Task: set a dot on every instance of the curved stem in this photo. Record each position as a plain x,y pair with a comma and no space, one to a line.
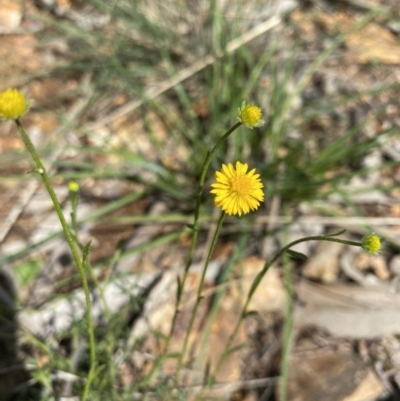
195,228
203,174
199,291
257,281
208,161
75,254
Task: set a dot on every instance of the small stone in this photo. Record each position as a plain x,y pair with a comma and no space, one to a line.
362,261
324,265
379,267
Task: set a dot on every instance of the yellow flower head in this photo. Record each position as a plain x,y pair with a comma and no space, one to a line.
250,115
372,243
13,104
73,186
236,190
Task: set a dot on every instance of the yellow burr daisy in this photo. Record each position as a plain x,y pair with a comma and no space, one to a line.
13,104
73,186
236,190
250,115
372,243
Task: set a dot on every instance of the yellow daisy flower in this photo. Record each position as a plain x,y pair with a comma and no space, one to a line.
13,104
236,190
250,115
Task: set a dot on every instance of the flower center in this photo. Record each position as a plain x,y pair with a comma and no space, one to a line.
241,185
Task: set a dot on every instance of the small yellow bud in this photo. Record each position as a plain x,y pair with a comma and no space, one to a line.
13,104
372,243
73,186
250,115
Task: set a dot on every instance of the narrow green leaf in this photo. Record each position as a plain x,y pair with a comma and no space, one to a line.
256,281
207,371
336,234
85,255
173,355
235,349
179,288
250,313
296,255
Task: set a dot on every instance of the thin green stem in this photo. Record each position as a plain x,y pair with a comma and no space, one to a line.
75,254
195,228
217,300
257,281
203,174
199,291
208,161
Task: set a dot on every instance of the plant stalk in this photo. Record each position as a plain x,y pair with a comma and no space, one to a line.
75,254
257,281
